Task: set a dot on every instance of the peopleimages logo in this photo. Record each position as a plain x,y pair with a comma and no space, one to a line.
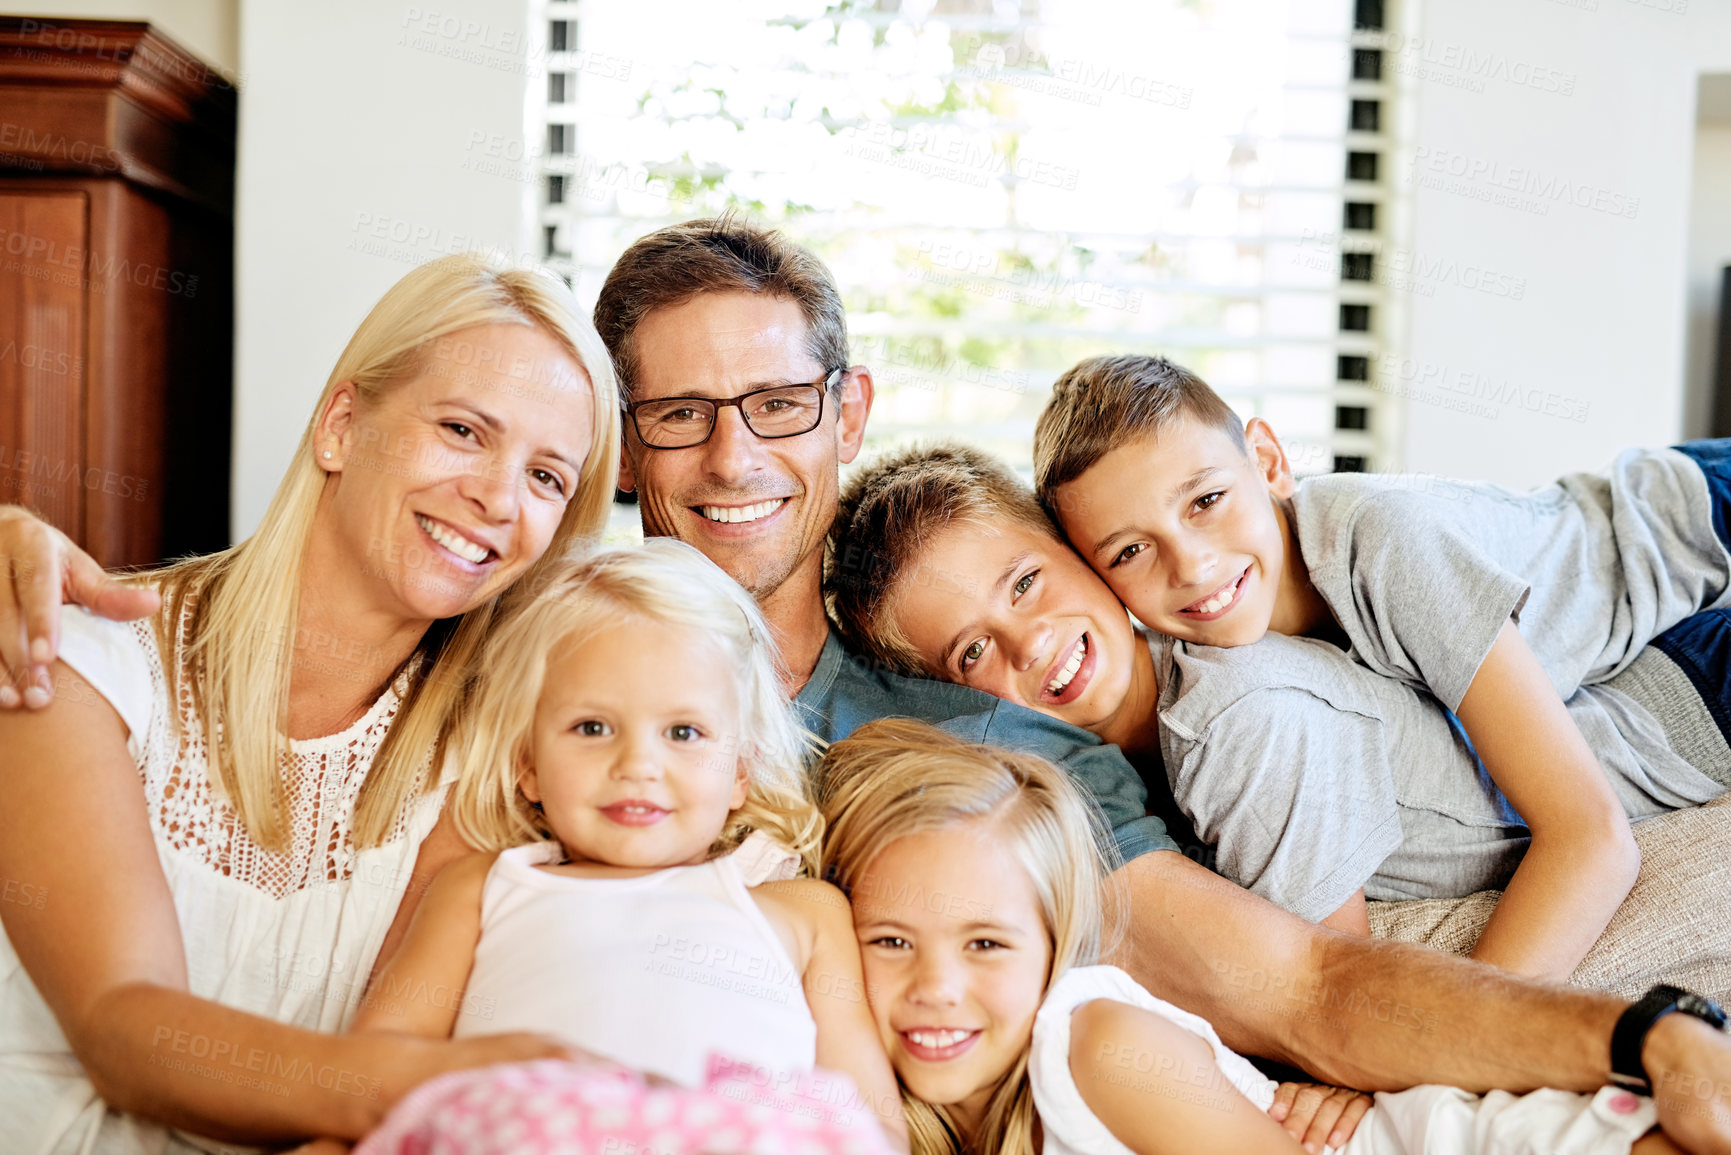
1463,66
1437,167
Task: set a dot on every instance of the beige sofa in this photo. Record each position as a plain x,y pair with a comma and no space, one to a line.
1674,927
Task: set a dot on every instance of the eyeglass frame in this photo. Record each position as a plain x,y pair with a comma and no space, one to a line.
830,380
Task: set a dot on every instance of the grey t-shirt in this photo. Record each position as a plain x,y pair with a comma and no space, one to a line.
845,692
1314,777
1421,572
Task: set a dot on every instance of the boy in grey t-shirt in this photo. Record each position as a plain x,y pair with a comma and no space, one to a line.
1501,604
1315,777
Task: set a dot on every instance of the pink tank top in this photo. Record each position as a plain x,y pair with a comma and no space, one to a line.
655,972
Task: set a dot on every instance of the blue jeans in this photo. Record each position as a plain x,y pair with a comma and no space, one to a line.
1714,458
1701,647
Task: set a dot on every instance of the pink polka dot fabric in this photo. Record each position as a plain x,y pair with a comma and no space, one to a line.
559,1108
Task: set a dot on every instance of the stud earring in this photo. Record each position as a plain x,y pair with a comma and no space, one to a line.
327,455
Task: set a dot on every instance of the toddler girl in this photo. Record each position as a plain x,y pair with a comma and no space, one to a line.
976,879
632,767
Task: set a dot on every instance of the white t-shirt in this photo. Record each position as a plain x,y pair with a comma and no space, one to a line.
287,935
1070,1127
1430,1119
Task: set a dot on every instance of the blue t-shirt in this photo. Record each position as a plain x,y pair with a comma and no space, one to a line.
846,691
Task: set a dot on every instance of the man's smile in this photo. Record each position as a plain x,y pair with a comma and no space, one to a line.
741,513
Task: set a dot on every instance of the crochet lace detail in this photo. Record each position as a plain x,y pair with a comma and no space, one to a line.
323,777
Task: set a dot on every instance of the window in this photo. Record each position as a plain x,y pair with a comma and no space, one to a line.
559,38
558,87
559,139
978,178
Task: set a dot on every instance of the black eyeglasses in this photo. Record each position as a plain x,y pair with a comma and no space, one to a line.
778,411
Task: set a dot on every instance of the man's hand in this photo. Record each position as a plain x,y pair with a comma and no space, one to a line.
1318,1115
1690,1065
42,571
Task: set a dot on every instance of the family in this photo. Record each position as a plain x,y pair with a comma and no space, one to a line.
831,819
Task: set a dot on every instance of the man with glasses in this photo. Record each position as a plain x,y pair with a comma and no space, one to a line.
732,351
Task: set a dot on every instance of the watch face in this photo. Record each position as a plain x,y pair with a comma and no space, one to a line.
1705,1009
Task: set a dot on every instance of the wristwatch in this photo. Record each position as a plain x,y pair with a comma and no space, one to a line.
1627,1070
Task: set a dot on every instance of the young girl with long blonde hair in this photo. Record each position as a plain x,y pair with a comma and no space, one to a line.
976,878
634,772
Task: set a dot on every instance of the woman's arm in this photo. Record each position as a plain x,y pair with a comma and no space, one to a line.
1583,857
420,990
105,951
834,981
1157,1088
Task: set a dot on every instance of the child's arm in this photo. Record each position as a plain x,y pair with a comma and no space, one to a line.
420,989
1353,917
834,981
441,847
1583,857
1156,1086
1319,1114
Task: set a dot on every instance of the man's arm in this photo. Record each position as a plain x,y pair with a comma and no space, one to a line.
1385,1016
42,571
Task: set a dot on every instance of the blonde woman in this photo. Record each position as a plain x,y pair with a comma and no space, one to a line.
220,812
976,881
636,780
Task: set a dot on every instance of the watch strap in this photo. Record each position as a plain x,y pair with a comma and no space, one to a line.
1630,1035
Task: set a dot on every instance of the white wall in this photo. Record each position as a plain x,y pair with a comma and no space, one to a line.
209,29
365,134
1709,253
1601,323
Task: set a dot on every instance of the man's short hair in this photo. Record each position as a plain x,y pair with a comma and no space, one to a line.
1105,402
888,513
725,254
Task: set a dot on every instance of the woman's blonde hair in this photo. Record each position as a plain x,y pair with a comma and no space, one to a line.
662,581
250,592
896,777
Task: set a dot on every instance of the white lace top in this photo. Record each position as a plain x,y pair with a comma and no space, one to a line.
290,935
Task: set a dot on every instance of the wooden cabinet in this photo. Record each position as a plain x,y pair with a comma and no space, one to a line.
116,286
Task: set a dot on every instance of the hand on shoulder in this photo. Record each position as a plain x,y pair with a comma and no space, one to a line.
42,570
